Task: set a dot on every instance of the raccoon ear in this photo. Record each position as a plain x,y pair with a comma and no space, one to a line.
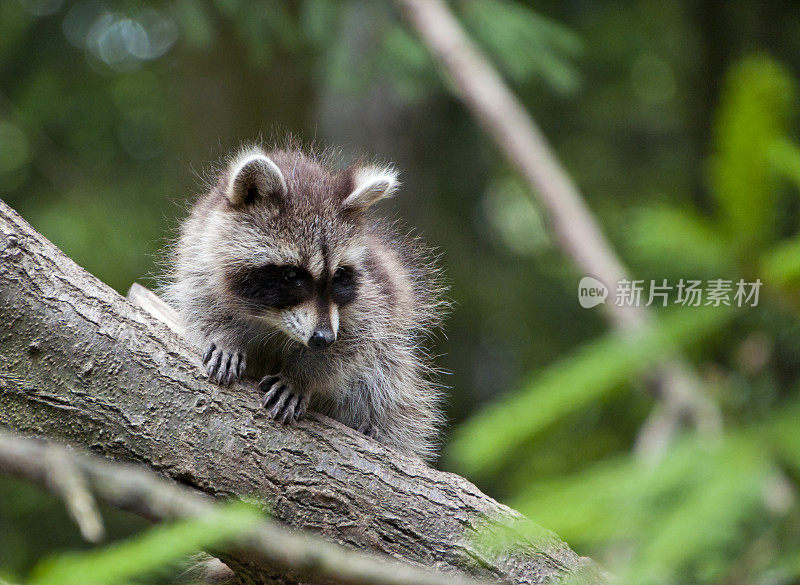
253,177
371,185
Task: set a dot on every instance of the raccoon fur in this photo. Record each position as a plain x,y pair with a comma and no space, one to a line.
281,272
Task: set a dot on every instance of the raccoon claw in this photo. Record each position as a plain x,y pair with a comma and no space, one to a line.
282,402
223,366
368,430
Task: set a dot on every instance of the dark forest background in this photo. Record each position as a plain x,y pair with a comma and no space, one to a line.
675,118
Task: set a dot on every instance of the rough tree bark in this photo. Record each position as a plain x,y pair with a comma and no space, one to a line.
81,480
79,363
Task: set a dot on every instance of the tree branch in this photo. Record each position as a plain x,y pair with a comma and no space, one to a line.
516,134
80,364
137,490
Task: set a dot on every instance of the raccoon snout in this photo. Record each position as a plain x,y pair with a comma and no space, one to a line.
321,338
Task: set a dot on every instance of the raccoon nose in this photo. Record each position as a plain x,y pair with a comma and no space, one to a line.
321,338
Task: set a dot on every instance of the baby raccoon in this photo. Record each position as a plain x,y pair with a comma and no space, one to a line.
281,272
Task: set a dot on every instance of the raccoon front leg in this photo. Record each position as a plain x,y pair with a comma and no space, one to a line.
224,347
283,401
223,365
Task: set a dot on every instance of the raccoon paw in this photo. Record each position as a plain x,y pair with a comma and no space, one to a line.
224,366
282,401
369,430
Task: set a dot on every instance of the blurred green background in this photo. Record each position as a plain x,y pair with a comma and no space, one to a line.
675,118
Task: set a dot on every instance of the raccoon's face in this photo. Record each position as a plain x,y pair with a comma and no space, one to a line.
296,243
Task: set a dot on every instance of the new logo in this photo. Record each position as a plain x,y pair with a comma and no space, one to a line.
591,292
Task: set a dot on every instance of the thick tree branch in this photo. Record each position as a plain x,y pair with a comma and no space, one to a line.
138,490
495,107
79,363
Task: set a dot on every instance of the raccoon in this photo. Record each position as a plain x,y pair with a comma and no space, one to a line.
282,273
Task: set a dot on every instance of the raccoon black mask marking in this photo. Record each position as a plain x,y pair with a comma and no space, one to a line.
284,286
281,272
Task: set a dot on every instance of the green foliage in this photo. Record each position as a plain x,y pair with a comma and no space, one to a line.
680,242
708,510
784,156
602,367
751,154
753,115
151,551
505,27
100,148
781,264
671,517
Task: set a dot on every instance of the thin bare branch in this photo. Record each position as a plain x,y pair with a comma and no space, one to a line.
516,134
138,490
65,481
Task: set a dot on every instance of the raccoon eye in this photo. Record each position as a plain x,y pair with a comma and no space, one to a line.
291,274
344,285
342,274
